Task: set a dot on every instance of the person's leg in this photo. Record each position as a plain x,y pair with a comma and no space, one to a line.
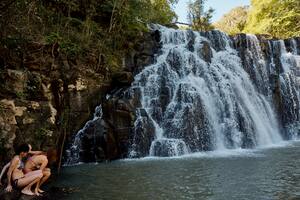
46,175
27,181
43,162
37,187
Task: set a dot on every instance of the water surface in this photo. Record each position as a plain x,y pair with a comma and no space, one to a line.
263,174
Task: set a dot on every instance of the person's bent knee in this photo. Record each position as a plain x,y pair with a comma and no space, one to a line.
39,173
46,173
47,170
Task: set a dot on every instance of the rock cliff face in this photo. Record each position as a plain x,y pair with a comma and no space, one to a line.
45,97
189,99
44,94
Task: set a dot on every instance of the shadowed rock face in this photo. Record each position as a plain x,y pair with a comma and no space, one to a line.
112,135
199,92
44,95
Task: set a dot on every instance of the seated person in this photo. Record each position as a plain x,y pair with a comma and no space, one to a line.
15,176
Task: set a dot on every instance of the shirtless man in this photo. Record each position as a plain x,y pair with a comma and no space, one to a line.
16,177
37,161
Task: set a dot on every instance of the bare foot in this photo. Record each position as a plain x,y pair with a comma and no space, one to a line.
27,192
38,194
41,191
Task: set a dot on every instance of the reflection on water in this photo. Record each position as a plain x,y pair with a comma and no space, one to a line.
263,174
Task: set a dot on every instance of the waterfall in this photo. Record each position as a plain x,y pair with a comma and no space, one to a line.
75,151
200,95
204,91
289,86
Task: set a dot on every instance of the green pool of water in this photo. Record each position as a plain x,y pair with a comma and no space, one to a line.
262,174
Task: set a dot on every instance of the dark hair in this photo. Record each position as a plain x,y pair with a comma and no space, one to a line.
22,148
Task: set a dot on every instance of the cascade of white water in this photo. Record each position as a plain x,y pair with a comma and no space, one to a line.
212,102
289,85
258,65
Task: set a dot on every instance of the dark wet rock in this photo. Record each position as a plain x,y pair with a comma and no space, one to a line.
215,38
194,126
205,51
297,39
143,53
191,40
174,60
142,136
288,44
121,79
164,98
251,62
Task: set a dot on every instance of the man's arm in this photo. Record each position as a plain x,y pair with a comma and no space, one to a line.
3,171
34,152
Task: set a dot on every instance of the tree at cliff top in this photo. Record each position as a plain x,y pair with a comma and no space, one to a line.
198,17
234,21
279,18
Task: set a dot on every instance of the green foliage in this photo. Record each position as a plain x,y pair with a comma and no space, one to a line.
198,17
70,47
41,133
234,21
21,95
279,18
85,27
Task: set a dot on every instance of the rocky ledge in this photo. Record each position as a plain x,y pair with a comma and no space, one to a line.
53,193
